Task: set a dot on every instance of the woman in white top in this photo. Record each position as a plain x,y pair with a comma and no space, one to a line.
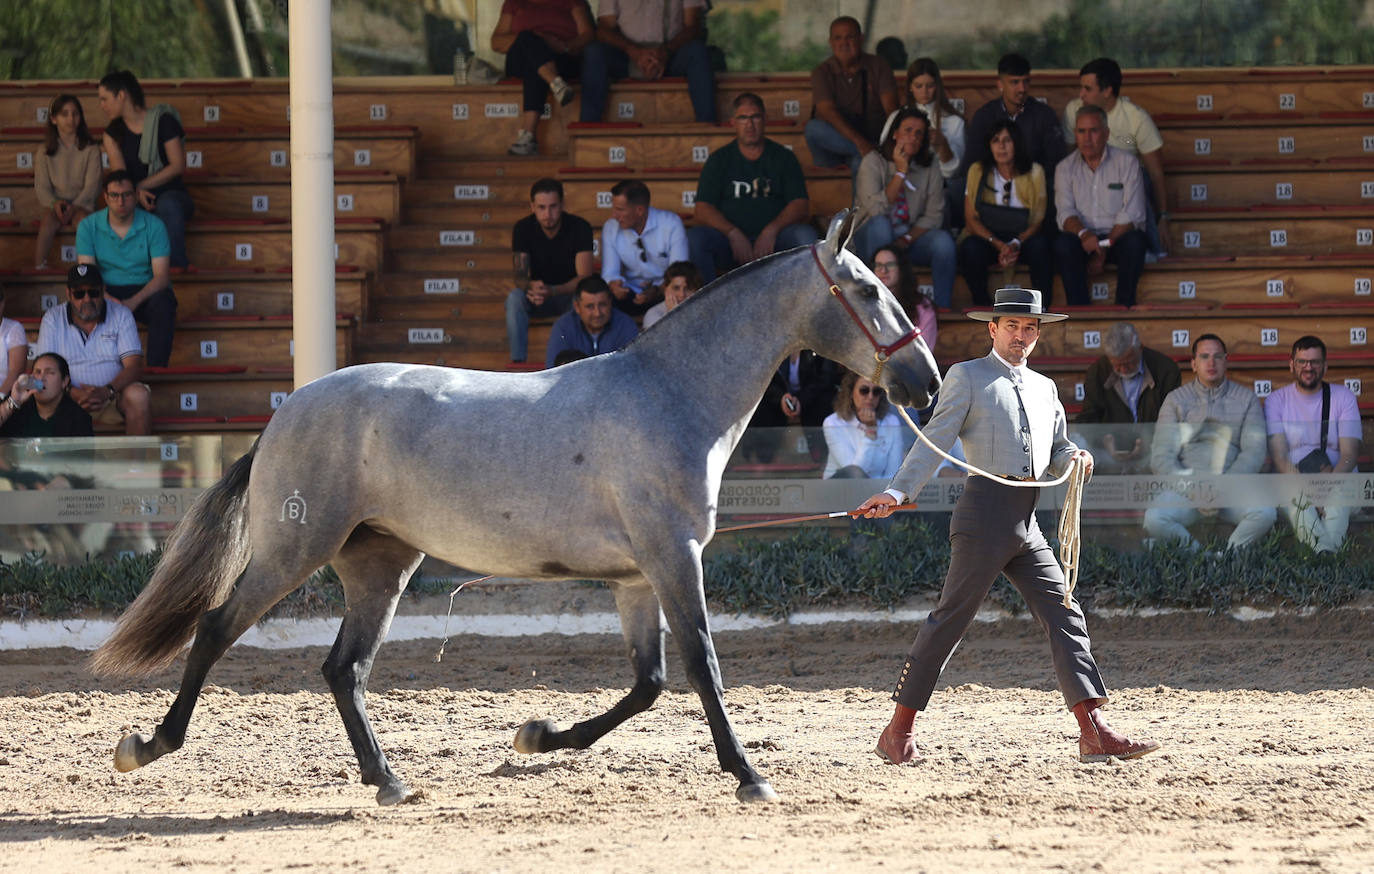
14,350
927,92
864,434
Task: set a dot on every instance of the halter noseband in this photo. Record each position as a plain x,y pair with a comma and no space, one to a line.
881,353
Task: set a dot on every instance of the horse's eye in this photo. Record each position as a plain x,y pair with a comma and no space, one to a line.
869,291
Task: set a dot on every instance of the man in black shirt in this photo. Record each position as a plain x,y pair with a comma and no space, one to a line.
552,251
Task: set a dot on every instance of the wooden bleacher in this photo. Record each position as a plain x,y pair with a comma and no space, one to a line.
1270,175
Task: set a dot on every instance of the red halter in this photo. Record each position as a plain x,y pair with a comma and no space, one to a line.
881,353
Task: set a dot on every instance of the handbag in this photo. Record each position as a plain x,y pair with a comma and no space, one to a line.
1314,461
1003,222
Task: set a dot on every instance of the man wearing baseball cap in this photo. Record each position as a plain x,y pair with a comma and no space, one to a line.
99,339
1012,424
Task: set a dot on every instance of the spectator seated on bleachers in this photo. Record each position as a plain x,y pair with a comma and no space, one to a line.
154,165
680,281
130,245
66,174
1039,126
852,94
1100,199
552,253
14,349
99,340
41,406
751,198
594,327
638,242
900,197
801,393
649,39
543,41
1131,130
1211,425
1126,386
1297,415
925,89
893,270
1004,209
864,434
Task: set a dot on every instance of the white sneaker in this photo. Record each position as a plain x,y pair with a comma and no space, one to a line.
562,91
524,144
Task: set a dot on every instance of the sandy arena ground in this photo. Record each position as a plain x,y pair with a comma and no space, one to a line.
1268,760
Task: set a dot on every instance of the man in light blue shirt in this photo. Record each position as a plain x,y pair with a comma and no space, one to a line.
134,255
638,243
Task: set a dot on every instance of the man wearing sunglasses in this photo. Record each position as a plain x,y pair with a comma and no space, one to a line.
132,249
638,242
99,339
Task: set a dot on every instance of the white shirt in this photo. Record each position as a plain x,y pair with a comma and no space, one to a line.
849,443
952,126
95,359
11,336
622,258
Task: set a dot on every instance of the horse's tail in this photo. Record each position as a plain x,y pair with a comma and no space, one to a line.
201,562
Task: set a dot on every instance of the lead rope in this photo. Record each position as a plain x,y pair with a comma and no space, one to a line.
1075,476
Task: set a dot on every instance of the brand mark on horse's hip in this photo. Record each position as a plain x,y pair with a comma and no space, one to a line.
293,508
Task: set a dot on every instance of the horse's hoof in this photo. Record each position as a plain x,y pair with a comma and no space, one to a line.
751,793
397,793
533,736
126,754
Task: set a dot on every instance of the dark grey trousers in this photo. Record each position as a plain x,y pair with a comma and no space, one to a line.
994,531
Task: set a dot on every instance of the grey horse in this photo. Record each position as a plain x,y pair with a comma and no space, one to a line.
604,469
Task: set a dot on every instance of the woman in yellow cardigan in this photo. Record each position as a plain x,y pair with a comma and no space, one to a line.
1004,205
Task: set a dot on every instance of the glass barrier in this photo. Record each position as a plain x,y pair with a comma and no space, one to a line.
68,499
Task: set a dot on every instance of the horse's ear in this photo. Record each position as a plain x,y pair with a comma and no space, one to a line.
841,229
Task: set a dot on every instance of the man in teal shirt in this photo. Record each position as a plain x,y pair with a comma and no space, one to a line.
133,253
751,198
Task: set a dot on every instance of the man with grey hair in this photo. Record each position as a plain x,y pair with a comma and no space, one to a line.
1125,386
1100,200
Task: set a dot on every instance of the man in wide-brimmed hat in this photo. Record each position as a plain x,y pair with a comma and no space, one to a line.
1012,425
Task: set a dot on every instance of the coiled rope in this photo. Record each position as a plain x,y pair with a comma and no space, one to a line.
1075,476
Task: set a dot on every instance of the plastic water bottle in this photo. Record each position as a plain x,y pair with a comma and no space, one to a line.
460,68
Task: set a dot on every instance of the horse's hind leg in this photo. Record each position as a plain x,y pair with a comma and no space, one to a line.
257,589
374,569
642,627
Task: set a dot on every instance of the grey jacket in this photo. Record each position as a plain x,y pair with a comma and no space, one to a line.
1216,430
1004,432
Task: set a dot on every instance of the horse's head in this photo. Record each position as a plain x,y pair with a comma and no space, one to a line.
862,326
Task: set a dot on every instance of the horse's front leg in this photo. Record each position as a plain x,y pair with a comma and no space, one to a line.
642,628
677,577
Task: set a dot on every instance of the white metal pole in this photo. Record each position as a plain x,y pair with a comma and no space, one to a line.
231,12
312,190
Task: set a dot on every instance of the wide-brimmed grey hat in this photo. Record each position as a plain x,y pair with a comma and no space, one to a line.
1017,302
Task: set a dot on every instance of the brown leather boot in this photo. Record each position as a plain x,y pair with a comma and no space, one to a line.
1098,741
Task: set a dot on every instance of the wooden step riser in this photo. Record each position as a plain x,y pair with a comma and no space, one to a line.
1244,335
257,157
197,299
237,346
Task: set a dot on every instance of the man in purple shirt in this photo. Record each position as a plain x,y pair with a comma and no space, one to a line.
1293,417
